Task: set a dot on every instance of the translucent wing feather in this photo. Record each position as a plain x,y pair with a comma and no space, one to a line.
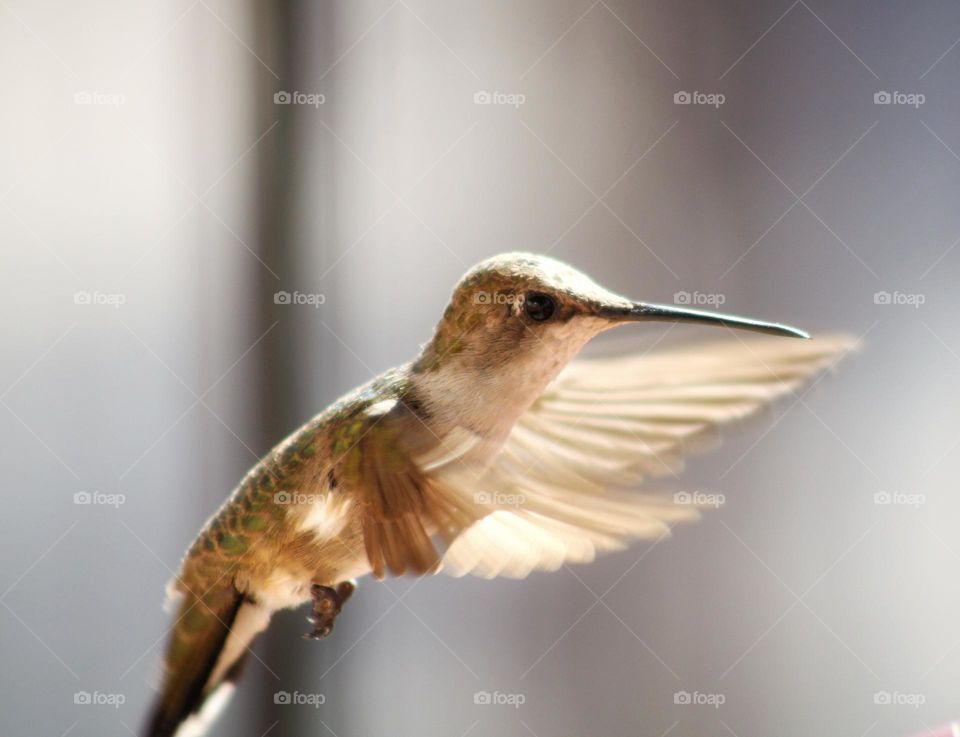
605,424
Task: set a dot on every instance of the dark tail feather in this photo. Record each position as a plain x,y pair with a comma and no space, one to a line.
204,630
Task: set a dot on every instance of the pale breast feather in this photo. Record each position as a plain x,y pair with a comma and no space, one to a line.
325,515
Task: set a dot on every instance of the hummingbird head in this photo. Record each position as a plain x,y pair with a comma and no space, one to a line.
516,319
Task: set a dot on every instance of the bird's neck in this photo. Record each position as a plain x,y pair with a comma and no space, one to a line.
487,404
487,394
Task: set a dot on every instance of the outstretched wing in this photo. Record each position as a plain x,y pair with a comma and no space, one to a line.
557,485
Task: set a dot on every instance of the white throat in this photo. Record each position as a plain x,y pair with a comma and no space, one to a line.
489,402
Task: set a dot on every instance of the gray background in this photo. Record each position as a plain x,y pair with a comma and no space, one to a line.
196,198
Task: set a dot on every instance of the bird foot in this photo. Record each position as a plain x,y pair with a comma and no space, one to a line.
327,603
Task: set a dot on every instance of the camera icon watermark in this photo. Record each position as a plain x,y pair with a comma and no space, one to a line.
286,698
496,298
509,99
712,99
699,499
498,499
899,499
96,698
899,299
296,498
697,698
497,698
99,498
714,299
899,698
100,299
299,298
104,99
911,99
313,99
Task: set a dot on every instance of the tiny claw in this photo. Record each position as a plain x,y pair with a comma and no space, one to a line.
318,633
327,602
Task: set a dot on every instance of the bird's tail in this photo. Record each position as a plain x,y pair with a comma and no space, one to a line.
207,650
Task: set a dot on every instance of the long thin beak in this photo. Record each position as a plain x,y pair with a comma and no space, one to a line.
642,311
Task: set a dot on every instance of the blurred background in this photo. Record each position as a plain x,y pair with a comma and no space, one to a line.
167,169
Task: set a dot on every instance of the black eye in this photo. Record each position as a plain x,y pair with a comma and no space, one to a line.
539,307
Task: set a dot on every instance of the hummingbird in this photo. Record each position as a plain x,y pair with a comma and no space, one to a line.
491,453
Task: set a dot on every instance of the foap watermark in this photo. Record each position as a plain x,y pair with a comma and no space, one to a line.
713,99
899,299
313,99
509,99
286,698
899,499
699,298
100,299
98,499
96,698
699,499
299,298
296,497
499,499
697,698
912,99
498,698
496,298
899,698
95,97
